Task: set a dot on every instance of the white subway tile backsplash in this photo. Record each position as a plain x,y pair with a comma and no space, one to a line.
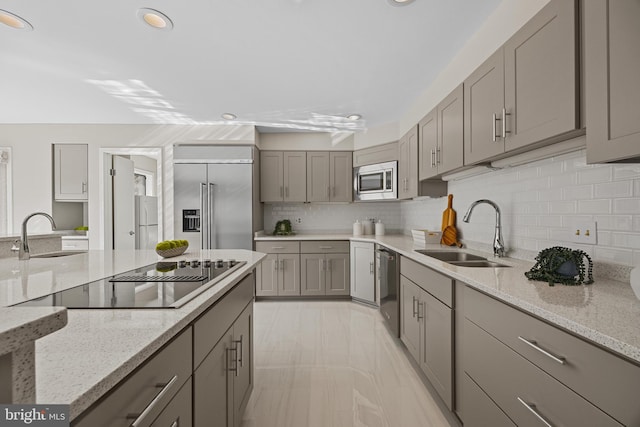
614,189
614,255
626,206
594,175
551,221
564,180
626,240
548,195
577,192
562,207
600,206
626,171
614,222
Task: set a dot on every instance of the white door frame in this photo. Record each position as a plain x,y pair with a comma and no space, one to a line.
105,226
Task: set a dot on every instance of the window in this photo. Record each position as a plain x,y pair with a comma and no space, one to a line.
6,208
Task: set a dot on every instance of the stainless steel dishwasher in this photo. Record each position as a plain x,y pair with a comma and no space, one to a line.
388,281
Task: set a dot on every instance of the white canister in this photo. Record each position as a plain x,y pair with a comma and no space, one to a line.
379,228
367,226
357,228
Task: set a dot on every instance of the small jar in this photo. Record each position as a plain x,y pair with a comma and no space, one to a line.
379,228
357,228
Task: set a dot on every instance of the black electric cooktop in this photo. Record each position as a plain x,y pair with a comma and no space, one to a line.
159,285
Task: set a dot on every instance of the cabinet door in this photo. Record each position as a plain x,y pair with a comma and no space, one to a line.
450,148
341,176
313,269
213,386
267,280
362,271
408,165
483,103
612,60
243,381
295,176
409,326
318,186
271,176
540,76
288,274
436,346
337,274
178,412
427,144
70,172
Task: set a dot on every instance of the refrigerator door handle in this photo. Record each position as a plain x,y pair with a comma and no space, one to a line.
210,218
204,215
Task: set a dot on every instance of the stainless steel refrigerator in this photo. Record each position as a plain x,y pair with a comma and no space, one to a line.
214,196
146,222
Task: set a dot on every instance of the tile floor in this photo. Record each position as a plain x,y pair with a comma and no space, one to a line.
333,364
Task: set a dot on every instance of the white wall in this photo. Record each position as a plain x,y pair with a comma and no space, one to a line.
32,162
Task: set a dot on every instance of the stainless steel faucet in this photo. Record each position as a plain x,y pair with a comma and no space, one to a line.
24,244
498,243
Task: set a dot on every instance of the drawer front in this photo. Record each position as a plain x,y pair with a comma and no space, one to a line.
436,284
75,245
479,409
582,367
522,390
137,391
324,247
278,247
211,326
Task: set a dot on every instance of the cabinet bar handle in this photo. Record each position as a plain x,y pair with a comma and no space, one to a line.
176,423
139,418
423,310
433,159
493,127
504,122
414,306
438,155
281,264
240,353
234,369
534,345
370,268
84,187
275,264
326,247
532,409
277,247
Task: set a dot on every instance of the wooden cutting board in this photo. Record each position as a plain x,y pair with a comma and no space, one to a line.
449,215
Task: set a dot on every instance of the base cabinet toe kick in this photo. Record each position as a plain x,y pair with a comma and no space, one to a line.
202,378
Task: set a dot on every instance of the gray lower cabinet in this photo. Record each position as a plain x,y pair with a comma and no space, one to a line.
324,267
612,58
224,380
427,324
526,92
149,391
481,411
279,273
533,370
363,271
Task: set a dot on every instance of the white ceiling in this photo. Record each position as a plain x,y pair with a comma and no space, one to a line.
284,63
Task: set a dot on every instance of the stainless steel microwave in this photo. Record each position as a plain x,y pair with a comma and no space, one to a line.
376,182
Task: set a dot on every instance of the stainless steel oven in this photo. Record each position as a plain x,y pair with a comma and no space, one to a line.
376,182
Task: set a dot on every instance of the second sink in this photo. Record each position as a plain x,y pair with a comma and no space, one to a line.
449,256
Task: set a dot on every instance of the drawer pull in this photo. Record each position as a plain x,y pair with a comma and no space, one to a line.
326,247
534,345
277,247
139,418
532,409
176,423
414,306
240,353
233,369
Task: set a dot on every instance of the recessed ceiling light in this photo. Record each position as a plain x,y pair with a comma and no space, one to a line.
14,21
229,116
155,19
400,2
354,117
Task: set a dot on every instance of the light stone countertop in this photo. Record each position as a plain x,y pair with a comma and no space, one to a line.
77,364
606,312
20,326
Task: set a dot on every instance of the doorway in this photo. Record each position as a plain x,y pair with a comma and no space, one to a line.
131,176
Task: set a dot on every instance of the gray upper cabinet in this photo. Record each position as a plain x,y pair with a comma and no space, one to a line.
526,92
283,176
612,60
441,137
70,172
329,176
377,154
408,164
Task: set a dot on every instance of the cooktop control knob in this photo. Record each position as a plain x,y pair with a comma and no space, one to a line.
231,262
206,263
219,263
182,264
195,263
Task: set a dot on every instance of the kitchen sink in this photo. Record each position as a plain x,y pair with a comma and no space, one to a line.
449,256
57,254
478,263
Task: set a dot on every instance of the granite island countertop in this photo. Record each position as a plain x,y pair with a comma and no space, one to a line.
606,312
97,348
